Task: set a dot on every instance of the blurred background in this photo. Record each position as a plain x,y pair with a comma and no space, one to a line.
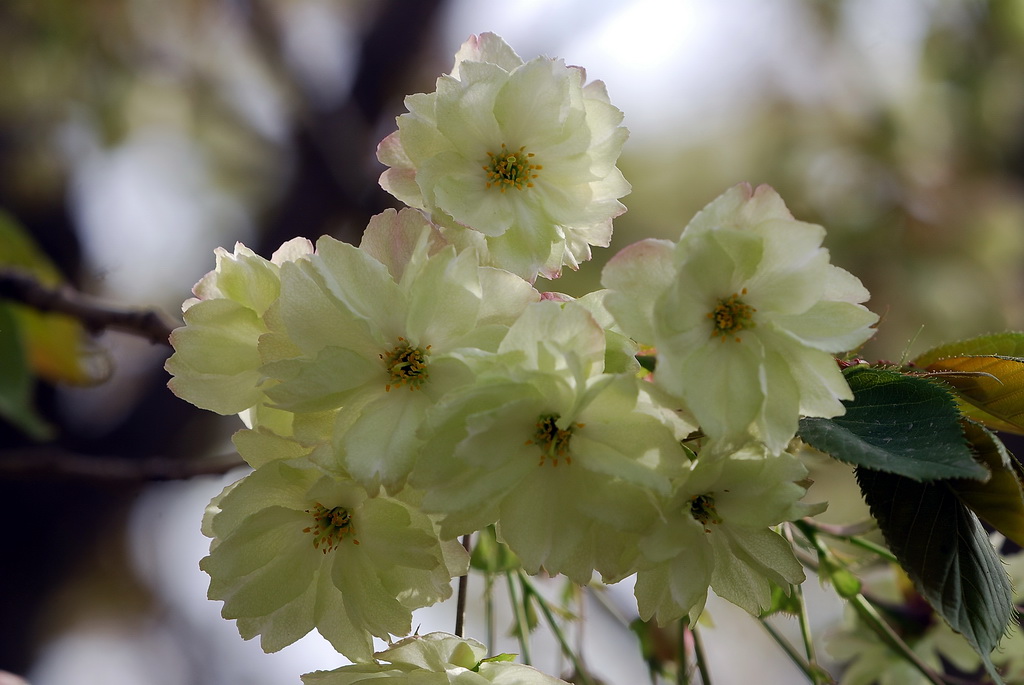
138,135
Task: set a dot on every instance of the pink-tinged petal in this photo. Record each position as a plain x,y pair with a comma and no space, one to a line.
636,277
486,47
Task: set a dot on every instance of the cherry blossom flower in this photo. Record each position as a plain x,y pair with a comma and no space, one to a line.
745,312
295,549
521,152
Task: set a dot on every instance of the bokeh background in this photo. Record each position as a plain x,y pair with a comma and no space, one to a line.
138,135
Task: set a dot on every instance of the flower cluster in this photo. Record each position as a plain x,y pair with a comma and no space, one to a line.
416,388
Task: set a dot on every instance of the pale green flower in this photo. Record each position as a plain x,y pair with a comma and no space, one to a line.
746,313
368,339
715,532
434,659
294,549
522,152
567,460
216,360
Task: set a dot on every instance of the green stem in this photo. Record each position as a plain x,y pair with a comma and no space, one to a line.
865,609
489,610
790,651
805,627
839,533
522,624
529,590
870,616
702,664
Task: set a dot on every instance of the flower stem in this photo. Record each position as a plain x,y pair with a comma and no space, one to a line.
529,590
870,616
790,651
702,664
522,624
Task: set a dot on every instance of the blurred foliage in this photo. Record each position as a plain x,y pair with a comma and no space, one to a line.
920,189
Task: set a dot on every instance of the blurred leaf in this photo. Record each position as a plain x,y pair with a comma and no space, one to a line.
16,381
57,347
783,601
993,386
1008,344
490,555
945,551
999,501
897,424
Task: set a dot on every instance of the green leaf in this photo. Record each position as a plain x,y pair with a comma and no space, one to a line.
898,424
993,386
783,601
999,501
1009,344
16,383
945,551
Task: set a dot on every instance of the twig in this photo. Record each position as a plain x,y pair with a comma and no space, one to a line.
53,463
93,313
460,603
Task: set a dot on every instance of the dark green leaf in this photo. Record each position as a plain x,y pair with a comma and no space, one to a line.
898,424
945,551
999,501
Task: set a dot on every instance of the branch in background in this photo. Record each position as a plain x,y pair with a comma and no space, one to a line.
54,463
93,313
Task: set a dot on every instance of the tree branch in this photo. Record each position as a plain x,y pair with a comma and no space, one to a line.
94,314
56,463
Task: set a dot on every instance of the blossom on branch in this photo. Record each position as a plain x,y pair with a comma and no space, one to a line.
716,532
745,312
521,152
568,460
216,361
296,549
368,339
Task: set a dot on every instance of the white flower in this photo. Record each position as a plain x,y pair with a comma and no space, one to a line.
216,360
524,153
566,459
434,659
368,339
294,549
746,313
715,531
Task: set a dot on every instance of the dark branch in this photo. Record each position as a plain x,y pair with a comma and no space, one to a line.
54,463
93,313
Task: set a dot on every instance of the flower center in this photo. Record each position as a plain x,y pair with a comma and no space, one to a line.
702,509
553,441
731,316
330,526
407,365
511,169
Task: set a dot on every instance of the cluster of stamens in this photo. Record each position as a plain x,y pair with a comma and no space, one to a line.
406,365
330,526
702,509
553,441
731,316
511,169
